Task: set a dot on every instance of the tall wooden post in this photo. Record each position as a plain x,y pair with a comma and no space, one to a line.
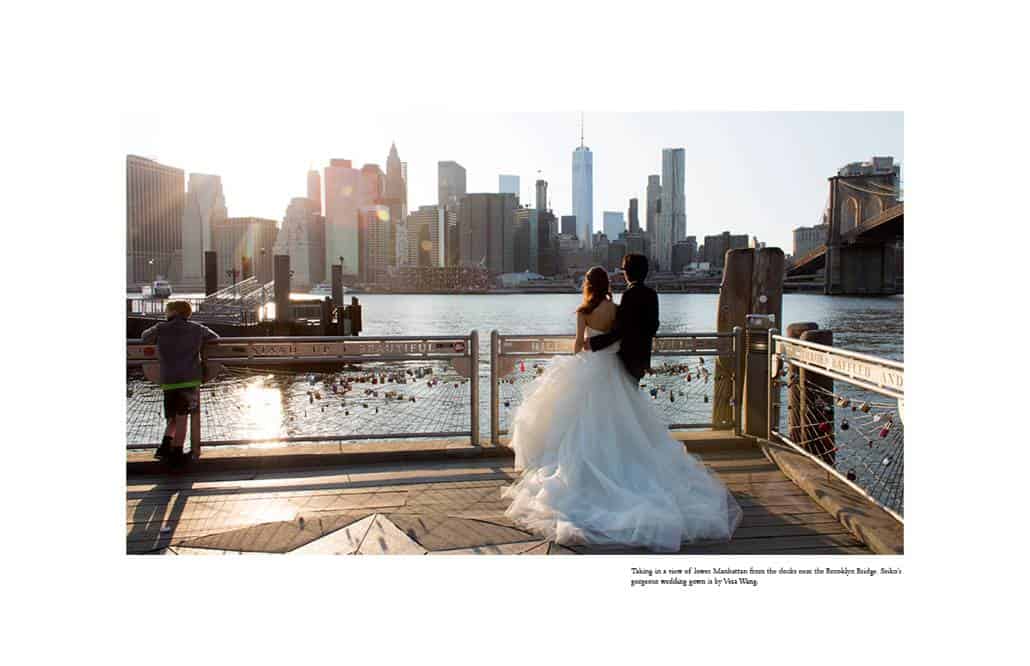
282,287
210,272
733,306
817,408
795,415
337,284
326,316
355,316
766,298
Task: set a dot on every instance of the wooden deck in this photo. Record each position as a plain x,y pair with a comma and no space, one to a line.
432,507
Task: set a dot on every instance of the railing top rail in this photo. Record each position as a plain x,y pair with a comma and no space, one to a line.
667,344
320,349
278,339
551,336
837,351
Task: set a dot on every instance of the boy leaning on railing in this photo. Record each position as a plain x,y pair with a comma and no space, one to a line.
179,346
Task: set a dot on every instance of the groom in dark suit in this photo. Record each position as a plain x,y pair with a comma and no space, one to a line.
636,320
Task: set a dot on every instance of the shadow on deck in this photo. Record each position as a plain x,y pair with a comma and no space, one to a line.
447,500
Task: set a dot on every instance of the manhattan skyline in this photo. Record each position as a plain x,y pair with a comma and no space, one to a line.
760,173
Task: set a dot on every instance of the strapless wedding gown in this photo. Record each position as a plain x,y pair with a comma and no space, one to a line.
599,466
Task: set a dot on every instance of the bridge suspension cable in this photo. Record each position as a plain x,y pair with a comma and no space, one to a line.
887,190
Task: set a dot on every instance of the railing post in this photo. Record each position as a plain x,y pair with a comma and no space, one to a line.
495,419
795,412
774,394
195,429
474,349
738,379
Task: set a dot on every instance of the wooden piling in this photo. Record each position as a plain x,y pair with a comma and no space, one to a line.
816,408
210,272
281,267
733,305
355,316
337,284
795,415
766,298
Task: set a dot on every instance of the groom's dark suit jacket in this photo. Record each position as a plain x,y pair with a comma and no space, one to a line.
636,322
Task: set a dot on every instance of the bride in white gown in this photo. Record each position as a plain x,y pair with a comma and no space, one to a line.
599,466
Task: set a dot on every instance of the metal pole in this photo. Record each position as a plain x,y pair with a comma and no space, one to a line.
195,429
474,345
773,380
738,379
495,420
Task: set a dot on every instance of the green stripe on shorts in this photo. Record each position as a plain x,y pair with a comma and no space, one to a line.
189,384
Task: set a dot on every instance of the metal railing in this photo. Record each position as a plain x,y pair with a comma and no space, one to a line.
844,411
277,389
508,352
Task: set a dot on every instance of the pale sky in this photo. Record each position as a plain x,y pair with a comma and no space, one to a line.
760,173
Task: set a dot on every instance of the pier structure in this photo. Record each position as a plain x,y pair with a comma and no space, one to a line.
400,444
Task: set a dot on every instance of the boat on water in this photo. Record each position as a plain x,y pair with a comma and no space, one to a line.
325,289
161,288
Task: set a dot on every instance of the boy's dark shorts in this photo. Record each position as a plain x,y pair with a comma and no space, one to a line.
181,401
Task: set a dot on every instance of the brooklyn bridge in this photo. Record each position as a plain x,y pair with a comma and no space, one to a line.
864,226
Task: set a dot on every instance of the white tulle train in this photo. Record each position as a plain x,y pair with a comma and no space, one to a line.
599,466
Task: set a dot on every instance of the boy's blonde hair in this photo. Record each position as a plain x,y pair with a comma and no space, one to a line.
181,308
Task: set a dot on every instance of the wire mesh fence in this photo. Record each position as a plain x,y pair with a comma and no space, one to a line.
853,428
684,384
284,390
245,405
681,389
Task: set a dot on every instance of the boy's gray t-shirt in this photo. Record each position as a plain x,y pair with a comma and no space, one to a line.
178,346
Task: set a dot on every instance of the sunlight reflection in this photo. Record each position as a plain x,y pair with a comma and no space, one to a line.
263,405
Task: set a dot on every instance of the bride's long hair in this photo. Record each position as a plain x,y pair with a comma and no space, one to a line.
596,288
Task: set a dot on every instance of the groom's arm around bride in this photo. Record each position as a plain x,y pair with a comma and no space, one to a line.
636,320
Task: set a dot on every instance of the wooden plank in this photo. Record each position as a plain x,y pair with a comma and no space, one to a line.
871,524
772,545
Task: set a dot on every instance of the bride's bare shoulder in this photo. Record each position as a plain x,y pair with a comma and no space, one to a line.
602,317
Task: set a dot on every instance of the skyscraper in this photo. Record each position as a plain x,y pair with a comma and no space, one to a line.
204,210
652,206
568,225
245,244
541,195
634,217
508,184
395,199
672,219
315,190
486,227
295,239
425,228
155,198
450,184
342,199
614,225
583,193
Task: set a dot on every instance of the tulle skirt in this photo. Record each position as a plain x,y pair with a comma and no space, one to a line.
599,467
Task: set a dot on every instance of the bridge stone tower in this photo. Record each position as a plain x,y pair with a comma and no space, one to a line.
865,228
